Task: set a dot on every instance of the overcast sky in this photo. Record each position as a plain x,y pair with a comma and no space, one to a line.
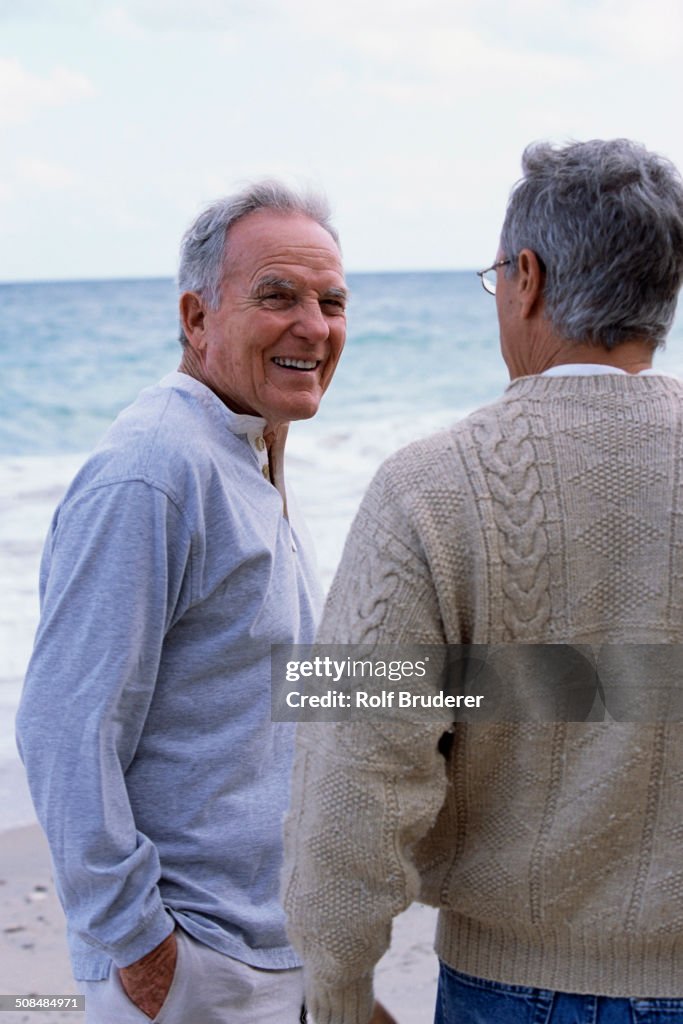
119,120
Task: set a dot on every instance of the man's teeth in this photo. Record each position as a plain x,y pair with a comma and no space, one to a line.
298,364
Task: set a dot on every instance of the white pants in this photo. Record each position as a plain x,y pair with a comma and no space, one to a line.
207,988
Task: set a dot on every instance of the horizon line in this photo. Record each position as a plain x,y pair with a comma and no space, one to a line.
127,279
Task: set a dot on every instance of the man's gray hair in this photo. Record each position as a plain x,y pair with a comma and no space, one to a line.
205,246
606,220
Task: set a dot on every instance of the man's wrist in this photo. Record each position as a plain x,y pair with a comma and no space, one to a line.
160,956
149,932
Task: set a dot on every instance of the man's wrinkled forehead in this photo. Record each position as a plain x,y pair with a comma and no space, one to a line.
282,251
280,242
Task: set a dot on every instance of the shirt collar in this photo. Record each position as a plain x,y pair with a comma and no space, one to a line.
590,369
237,423
271,464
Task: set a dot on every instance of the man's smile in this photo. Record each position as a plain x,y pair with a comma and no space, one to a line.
296,364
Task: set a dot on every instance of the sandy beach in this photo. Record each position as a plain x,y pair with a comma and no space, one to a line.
34,958
33,955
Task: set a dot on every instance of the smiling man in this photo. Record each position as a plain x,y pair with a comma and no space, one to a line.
173,563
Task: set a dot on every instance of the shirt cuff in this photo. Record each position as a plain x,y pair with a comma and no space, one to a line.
144,940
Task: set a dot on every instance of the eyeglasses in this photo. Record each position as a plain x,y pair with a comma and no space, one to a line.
488,276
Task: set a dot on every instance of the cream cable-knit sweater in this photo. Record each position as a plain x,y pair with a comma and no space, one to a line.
555,852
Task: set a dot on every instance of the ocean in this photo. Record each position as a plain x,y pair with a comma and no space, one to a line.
421,352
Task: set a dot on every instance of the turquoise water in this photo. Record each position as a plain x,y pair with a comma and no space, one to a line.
73,354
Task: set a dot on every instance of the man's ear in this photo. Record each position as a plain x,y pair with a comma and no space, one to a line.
192,315
530,280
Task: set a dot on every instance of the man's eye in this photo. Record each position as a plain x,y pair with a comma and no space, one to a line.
334,305
276,300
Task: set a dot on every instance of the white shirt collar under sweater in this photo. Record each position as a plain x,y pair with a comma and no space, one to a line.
588,369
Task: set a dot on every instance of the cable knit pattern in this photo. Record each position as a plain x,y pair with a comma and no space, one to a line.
554,515
510,462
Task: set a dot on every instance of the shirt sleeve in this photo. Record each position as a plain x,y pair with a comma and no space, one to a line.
115,573
364,792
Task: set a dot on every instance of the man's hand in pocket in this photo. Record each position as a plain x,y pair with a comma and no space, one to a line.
147,981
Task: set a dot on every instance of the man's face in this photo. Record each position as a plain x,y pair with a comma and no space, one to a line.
272,346
507,325
501,297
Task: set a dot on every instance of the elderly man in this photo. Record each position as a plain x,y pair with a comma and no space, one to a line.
554,515
173,562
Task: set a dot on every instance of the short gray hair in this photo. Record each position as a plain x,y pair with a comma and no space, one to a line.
606,220
204,248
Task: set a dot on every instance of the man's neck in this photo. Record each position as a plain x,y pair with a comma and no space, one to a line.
630,356
547,351
191,365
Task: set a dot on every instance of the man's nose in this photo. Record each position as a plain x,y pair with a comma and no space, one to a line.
311,323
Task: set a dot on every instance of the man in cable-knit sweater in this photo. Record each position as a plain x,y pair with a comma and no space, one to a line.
553,516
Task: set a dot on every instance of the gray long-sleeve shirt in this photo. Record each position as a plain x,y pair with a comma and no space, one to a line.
144,725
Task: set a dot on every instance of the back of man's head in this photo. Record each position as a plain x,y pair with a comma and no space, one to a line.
205,246
605,219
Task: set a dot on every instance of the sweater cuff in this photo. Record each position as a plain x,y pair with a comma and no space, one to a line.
352,1004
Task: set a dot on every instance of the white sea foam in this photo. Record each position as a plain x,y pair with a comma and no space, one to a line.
30,487
330,469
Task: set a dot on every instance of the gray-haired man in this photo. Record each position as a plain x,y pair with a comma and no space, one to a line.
553,516
173,563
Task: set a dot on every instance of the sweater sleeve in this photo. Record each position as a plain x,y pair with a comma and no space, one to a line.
364,792
112,577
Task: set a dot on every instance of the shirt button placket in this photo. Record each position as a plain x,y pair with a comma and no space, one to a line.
258,445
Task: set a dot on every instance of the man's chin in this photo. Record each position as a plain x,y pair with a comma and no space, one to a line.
303,416
300,409
282,419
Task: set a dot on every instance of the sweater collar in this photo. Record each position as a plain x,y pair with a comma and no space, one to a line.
594,384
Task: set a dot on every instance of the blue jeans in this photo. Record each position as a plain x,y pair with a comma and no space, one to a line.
462,999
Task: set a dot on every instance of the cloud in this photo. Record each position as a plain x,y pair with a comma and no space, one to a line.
139,18
643,33
119,22
449,39
22,93
629,29
625,31
31,178
41,10
47,174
